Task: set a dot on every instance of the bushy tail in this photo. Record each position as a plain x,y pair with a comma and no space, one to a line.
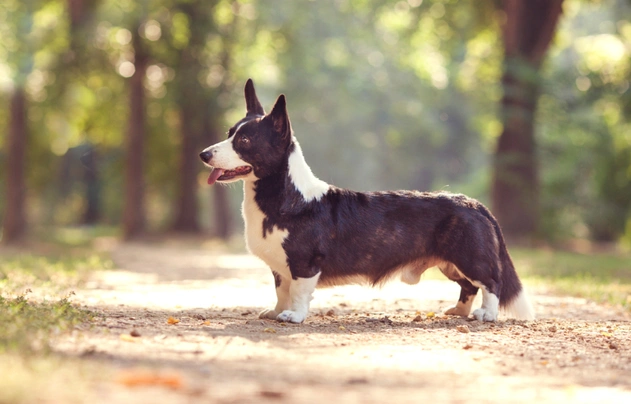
513,299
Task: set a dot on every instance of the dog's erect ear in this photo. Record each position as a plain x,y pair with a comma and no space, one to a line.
251,100
280,118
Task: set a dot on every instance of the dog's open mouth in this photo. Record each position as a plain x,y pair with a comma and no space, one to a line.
219,174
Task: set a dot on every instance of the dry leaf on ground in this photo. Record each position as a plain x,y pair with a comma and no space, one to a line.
135,378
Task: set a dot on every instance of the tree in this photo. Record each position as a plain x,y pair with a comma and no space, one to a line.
192,101
21,61
200,113
14,222
134,215
527,33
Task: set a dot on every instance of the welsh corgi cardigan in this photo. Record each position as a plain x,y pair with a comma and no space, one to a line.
313,234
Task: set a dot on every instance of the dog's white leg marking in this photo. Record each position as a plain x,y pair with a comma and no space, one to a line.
461,309
490,306
309,186
282,294
300,293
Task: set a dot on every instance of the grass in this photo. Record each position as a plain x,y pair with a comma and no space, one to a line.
56,271
31,321
28,320
601,277
27,327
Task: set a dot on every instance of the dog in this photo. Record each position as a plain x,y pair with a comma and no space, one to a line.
312,234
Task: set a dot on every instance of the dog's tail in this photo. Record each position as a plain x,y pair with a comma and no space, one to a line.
513,299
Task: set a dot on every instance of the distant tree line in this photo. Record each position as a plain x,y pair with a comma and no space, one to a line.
108,102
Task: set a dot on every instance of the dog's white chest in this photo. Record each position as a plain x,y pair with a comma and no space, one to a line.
267,246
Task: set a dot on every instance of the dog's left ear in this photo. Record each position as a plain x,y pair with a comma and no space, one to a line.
252,104
280,118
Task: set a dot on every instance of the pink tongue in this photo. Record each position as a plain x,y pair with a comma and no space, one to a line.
214,174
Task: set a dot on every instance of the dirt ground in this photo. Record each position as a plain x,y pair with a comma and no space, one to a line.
180,325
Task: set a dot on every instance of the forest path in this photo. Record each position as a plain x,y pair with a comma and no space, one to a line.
360,345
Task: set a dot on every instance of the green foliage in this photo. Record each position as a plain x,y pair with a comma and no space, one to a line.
381,94
27,327
584,121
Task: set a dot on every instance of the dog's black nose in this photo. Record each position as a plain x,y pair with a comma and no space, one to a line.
205,156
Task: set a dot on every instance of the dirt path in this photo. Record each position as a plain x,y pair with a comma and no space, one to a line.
360,345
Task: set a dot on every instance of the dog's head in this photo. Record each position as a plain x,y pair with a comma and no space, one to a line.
256,146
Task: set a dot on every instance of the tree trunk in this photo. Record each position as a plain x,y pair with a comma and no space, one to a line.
133,214
527,34
14,223
91,180
187,206
191,103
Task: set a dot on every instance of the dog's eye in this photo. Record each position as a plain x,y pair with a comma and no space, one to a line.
244,140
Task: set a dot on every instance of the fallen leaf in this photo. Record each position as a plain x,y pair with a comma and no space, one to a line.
127,338
270,330
207,322
430,314
172,320
467,346
543,363
606,334
418,318
135,378
134,333
342,328
272,394
463,329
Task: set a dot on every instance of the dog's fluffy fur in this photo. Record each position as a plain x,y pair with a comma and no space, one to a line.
313,234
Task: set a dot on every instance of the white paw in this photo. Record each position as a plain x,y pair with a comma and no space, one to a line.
457,311
291,316
269,313
483,314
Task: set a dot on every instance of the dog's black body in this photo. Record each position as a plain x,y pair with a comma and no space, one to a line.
312,233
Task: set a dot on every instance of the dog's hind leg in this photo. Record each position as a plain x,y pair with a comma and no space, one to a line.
467,290
491,288
282,293
300,294
467,294
490,306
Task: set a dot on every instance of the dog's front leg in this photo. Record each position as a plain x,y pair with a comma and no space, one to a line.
282,294
300,294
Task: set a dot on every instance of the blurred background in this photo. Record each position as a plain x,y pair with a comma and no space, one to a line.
525,105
